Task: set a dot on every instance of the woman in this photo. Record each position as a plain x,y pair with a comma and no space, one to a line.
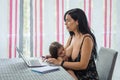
80,47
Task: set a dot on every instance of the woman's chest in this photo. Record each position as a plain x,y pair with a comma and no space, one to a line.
74,49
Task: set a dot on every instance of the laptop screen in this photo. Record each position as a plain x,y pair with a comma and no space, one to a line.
21,55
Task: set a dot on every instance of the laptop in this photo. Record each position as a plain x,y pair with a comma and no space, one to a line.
31,62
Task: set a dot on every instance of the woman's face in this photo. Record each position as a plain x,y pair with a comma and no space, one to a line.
70,23
61,52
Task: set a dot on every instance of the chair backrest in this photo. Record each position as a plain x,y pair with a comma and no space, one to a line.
105,63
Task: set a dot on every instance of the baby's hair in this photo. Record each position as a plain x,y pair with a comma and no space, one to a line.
53,49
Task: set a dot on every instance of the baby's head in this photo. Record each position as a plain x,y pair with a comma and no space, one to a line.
56,50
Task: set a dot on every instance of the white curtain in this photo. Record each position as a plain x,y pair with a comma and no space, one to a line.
33,24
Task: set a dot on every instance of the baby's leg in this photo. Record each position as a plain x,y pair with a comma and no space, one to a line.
72,74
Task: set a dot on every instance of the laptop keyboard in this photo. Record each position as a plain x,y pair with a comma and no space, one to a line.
34,62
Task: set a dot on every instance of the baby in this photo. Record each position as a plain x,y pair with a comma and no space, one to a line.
57,50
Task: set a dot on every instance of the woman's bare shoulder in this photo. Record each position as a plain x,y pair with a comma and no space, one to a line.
87,36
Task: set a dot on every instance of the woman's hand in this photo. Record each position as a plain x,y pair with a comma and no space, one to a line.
54,61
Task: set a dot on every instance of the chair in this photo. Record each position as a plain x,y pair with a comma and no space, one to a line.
105,63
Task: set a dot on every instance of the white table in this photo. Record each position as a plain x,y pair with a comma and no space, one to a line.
16,69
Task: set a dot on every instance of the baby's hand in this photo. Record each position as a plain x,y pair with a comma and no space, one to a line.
55,61
44,58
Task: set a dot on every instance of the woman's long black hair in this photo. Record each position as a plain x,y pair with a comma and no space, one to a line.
79,15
